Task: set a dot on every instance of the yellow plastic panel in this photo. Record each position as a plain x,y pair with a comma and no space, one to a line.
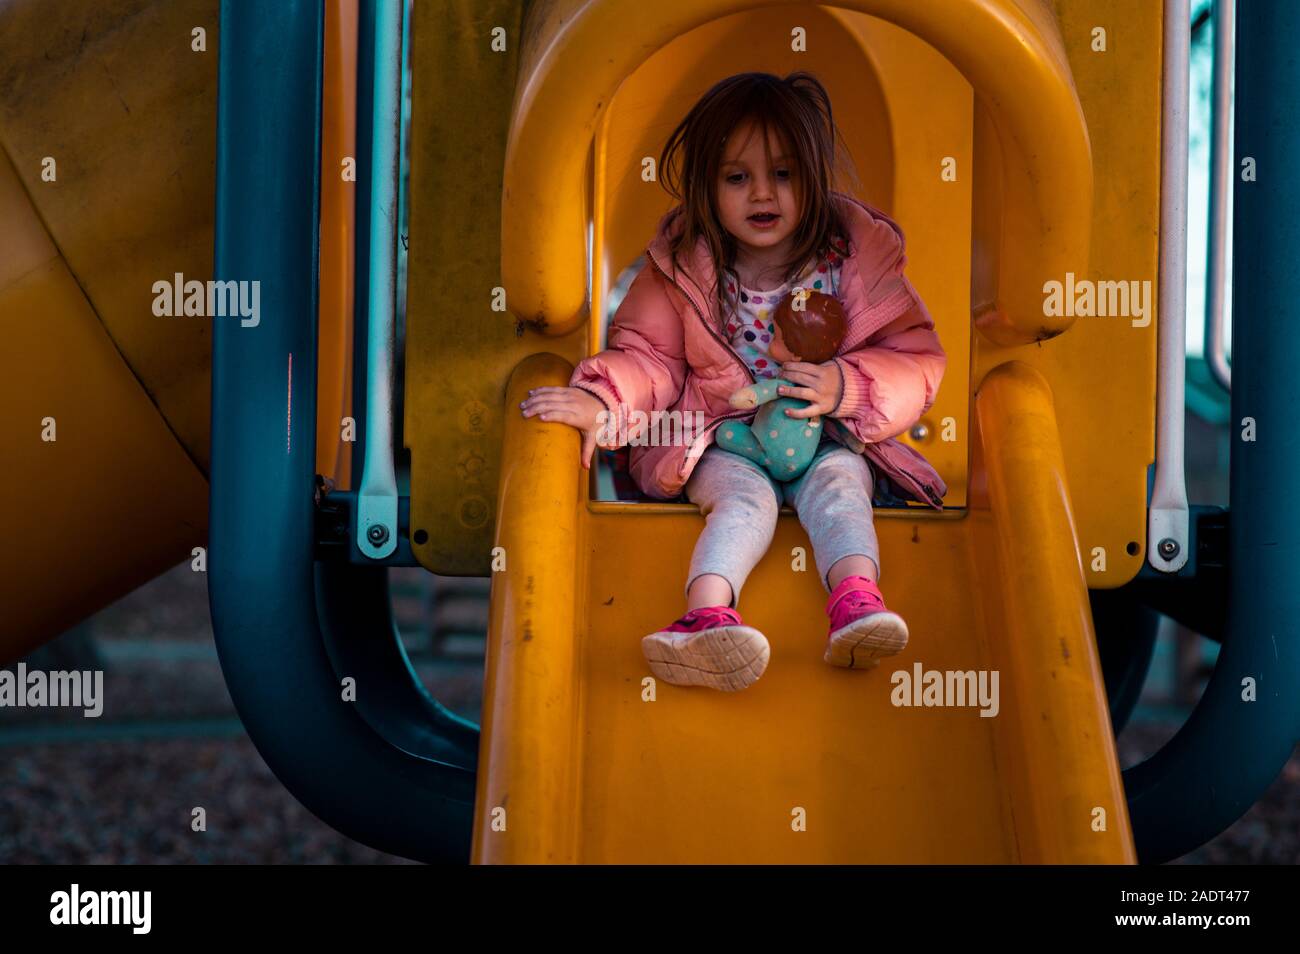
459,351
1103,372
111,502
113,92
930,105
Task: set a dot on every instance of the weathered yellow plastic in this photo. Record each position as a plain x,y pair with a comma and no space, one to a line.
459,351
113,500
114,93
127,109
577,763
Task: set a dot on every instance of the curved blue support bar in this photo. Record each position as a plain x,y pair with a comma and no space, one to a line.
1247,723
283,659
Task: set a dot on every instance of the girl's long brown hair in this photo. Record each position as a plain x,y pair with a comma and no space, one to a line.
798,109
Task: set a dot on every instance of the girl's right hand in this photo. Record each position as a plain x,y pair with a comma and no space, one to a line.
572,406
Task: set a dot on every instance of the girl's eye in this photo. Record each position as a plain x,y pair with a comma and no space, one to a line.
736,178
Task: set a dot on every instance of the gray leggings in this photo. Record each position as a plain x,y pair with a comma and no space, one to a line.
740,502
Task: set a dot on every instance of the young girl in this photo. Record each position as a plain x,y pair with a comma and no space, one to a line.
752,166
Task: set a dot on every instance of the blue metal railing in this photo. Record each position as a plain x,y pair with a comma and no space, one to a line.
392,769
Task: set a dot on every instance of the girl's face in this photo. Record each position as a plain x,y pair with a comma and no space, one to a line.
756,201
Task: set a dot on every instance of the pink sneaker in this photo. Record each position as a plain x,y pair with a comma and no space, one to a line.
862,630
709,646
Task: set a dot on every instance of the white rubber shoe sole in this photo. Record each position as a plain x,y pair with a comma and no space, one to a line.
864,642
729,658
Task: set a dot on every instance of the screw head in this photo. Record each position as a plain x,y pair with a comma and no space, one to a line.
1168,548
919,432
377,534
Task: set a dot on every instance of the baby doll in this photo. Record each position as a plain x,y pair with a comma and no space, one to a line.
809,327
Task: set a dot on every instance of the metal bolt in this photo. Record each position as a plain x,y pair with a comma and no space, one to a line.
919,432
377,534
1168,548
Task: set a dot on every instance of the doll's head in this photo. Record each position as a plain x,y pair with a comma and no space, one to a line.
809,331
757,145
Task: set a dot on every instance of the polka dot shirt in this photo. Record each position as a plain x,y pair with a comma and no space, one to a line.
749,325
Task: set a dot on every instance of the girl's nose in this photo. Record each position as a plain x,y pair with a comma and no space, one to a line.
762,187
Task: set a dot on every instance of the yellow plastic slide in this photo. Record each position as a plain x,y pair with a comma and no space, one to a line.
1011,152
585,758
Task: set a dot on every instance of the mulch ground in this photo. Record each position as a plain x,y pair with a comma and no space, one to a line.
70,797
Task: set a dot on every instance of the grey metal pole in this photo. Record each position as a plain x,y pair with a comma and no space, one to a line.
377,498
1167,520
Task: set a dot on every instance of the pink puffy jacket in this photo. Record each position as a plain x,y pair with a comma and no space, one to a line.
666,354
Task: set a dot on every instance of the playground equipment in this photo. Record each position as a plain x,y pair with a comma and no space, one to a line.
1012,150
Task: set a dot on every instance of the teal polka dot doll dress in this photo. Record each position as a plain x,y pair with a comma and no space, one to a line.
750,329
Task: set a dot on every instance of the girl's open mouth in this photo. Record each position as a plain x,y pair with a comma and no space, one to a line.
763,220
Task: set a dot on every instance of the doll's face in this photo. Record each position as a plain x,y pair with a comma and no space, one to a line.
778,350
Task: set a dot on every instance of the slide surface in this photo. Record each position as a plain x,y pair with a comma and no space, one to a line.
585,761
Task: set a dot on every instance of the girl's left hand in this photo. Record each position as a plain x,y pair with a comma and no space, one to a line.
821,385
